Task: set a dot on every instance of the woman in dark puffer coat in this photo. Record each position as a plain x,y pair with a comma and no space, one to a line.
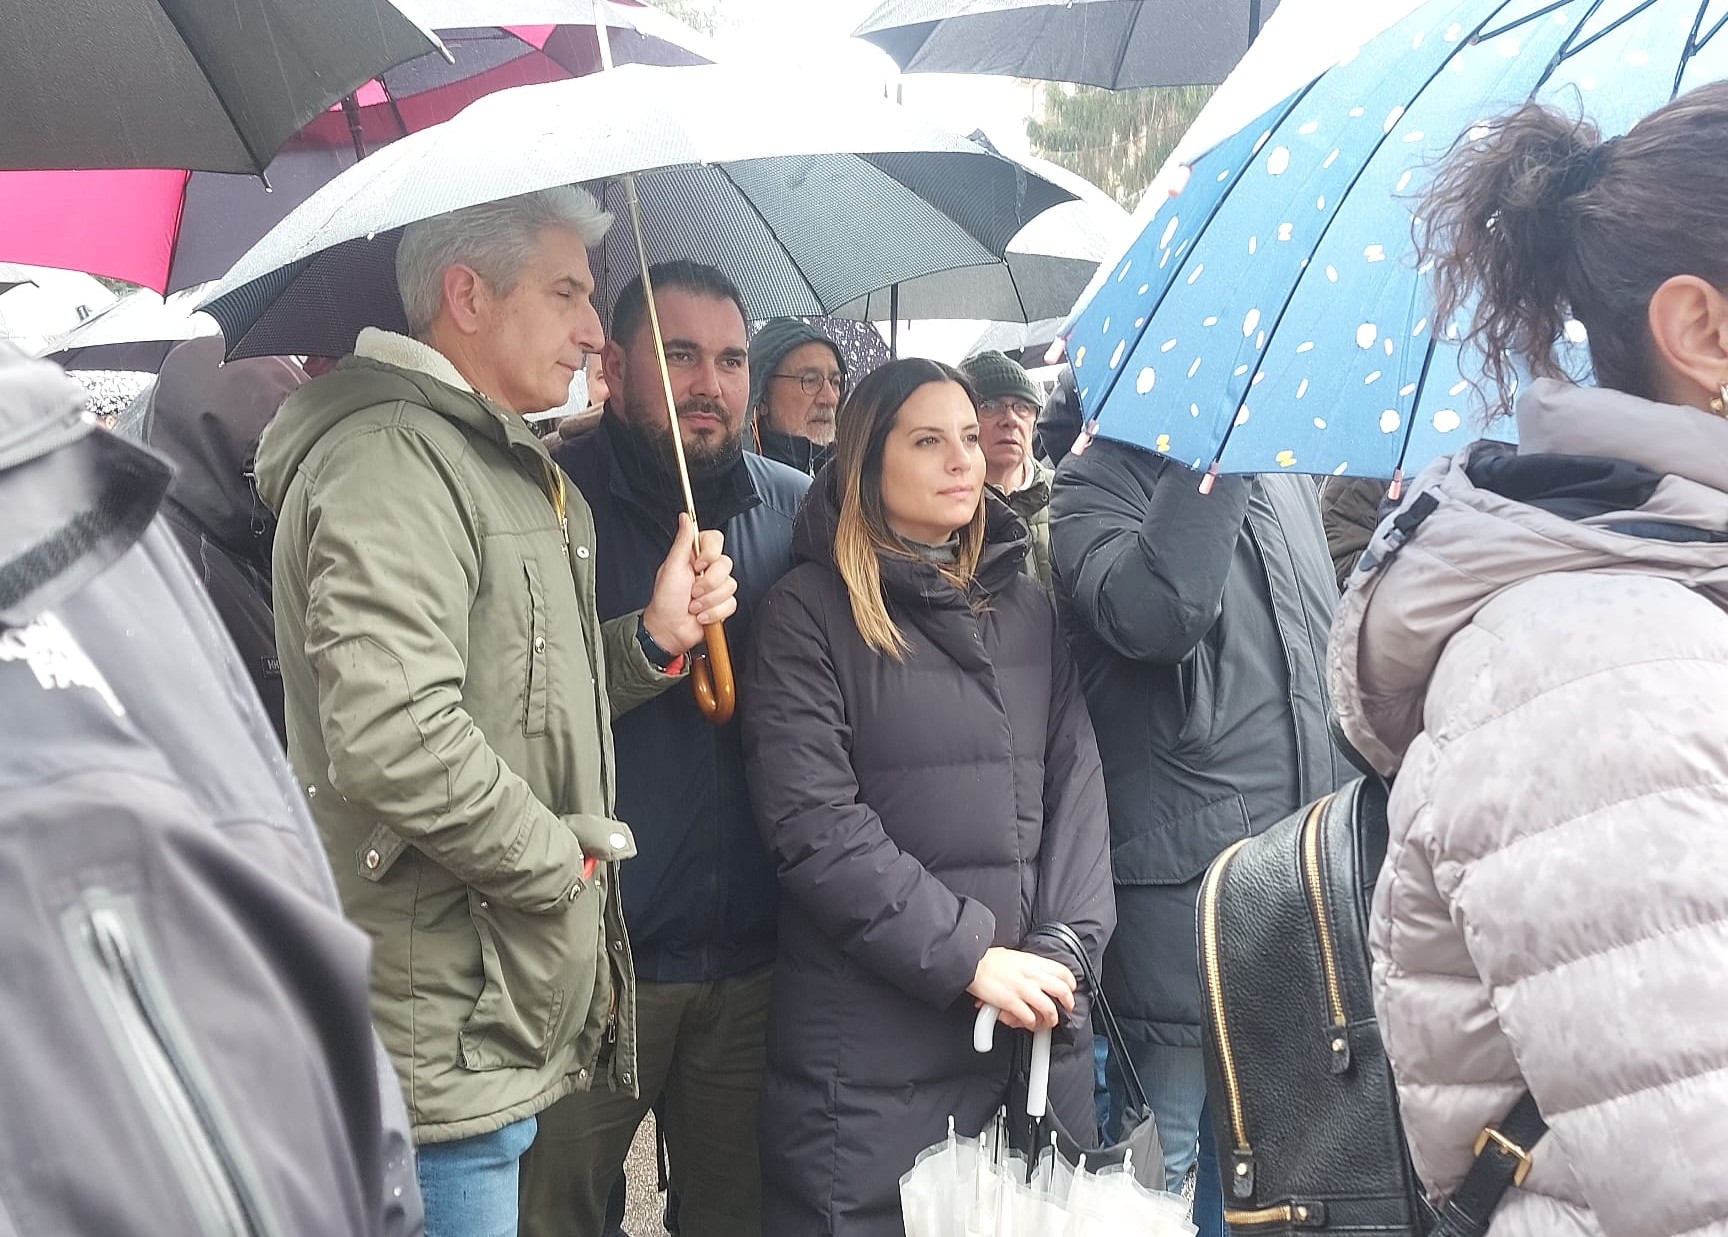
925,774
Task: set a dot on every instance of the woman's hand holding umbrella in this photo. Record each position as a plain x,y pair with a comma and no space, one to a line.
1026,988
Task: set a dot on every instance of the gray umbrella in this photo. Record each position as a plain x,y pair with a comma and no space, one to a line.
1049,263
806,208
1118,44
216,85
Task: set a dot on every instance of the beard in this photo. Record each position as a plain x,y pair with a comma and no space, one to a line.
706,456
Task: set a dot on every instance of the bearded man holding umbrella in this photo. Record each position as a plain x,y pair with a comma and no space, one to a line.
450,686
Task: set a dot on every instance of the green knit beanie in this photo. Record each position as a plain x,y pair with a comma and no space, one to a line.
996,376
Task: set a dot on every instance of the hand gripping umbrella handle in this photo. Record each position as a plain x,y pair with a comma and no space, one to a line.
711,676
1038,1077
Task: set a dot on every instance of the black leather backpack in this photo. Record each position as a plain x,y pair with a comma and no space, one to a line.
1304,1109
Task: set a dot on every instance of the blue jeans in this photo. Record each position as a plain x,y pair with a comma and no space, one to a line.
1175,1082
470,1184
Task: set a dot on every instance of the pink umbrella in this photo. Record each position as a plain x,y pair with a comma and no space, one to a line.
169,229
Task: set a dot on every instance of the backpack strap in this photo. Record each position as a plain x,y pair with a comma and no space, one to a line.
1502,1161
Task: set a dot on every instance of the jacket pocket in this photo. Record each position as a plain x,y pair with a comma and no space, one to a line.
1197,677
537,973
114,961
537,689
1177,850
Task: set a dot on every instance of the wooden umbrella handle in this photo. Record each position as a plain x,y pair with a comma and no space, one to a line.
711,677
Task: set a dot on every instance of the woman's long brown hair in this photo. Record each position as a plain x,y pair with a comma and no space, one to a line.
863,536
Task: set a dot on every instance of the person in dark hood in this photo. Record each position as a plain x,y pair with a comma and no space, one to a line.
1060,422
699,898
928,782
1198,623
797,379
188,1024
206,417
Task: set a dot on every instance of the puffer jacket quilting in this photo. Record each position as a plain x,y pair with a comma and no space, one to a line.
1553,911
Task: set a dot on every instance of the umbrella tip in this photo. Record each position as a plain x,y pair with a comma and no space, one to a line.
1395,491
1210,479
1088,432
1053,353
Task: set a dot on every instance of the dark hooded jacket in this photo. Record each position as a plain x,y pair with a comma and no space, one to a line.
1198,623
773,341
921,810
206,417
189,1035
699,897
792,450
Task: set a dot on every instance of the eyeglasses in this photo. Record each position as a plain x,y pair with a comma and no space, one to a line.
812,384
1002,407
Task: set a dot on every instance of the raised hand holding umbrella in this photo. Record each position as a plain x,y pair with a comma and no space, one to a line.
710,669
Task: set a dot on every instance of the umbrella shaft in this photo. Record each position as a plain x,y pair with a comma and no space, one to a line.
659,345
604,38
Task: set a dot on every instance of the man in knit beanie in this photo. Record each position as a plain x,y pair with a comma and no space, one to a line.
797,378
1008,405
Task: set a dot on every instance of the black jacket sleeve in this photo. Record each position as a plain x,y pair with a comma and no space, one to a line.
876,902
1074,880
1140,554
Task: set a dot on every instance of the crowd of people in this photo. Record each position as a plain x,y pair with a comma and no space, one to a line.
984,682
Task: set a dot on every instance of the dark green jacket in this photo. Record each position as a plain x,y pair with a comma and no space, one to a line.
449,689
1032,504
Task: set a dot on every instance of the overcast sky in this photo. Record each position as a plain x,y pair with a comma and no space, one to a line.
815,35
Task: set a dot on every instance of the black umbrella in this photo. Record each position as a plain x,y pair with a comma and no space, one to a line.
213,85
1118,44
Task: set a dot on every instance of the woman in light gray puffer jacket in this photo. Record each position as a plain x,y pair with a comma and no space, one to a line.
1543,663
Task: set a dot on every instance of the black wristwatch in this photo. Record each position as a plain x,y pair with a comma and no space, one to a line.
658,657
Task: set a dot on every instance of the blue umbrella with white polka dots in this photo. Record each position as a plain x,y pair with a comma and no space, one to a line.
1272,315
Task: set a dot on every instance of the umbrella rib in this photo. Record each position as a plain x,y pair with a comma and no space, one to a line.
1566,49
1114,377
1606,31
1361,171
174,248
1525,20
768,228
1714,30
1416,399
1694,44
259,164
1122,51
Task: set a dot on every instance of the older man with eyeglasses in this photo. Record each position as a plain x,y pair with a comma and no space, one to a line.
1008,406
797,380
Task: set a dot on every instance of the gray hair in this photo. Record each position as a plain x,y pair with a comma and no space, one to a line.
494,238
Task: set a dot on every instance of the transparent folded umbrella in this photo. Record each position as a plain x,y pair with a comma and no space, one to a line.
983,1187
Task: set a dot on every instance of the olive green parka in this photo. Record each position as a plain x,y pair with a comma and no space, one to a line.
449,694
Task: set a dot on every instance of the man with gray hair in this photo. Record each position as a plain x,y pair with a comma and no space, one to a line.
450,687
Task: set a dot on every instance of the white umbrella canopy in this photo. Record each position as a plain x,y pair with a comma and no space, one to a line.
43,302
807,213
135,334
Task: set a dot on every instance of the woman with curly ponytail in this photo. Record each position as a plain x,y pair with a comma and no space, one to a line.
1537,648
